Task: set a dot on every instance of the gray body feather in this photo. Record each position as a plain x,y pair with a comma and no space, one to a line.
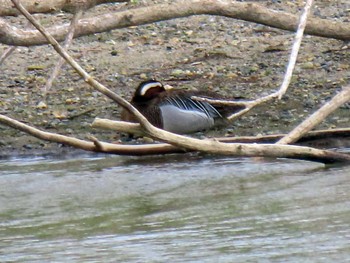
184,115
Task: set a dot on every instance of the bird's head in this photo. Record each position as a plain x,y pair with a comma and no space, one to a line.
148,90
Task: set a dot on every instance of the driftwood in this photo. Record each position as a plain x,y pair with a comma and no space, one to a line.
213,146
50,6
208,146
251,12
136,129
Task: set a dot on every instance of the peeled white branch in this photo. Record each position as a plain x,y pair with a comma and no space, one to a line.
120,126
295,49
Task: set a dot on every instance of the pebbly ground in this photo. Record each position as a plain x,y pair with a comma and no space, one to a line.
231,57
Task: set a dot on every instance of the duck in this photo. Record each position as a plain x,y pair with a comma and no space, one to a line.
176,110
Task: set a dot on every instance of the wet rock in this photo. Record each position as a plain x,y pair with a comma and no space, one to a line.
28,146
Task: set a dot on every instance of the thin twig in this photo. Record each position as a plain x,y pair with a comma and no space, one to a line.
7,53
317,117
287,76
10,50
295,49
87,78
67,43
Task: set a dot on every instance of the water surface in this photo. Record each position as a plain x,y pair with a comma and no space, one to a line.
178,208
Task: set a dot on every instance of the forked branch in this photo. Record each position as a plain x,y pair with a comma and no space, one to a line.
234,149
209,146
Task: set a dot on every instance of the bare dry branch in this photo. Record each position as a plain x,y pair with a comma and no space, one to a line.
120,126
247,104
209,146
236,149
7,53
247,11
317,117
67,43
50,6
136,129
87,78
286,80
295,49
88,145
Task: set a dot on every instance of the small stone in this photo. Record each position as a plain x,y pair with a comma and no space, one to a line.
114,52
148,140
28,146
143,76
177,72
231,75
235,42
35,67
307,65
59,115
41,105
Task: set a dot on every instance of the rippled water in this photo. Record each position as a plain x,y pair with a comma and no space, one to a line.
180,208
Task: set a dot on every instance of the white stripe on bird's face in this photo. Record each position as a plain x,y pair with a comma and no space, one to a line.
149,86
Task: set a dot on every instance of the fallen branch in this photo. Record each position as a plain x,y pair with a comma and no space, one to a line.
120,126
241,149
308,138
50,6
318,116
251,12
136,129
208,146
87,145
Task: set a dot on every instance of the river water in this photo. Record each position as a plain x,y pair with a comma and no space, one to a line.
177,208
